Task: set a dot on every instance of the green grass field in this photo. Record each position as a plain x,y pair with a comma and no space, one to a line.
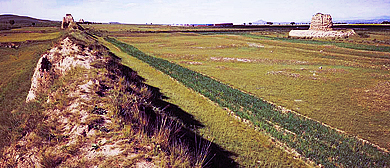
350,92
340,82
313,140
126,28
29,34
252,149
17,67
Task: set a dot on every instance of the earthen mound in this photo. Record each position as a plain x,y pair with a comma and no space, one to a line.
321,26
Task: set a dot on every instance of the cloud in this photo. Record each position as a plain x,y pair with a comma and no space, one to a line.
130,5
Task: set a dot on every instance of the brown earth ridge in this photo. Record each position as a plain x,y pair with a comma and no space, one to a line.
97,112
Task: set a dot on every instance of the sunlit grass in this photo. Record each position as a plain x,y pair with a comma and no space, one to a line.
322,82
251,147
17,67
135,27
306,132
129,103
20,37
33,29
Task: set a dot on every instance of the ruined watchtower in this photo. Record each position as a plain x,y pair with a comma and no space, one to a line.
66,21
321,22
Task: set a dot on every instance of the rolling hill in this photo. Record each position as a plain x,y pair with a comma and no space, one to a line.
24,21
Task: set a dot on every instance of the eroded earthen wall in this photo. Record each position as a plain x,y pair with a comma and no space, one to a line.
321,22
66,21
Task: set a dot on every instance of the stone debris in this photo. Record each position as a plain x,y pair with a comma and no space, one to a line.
255,45
218,47
192,62
320,33
265,60
231,59
15,45
294,75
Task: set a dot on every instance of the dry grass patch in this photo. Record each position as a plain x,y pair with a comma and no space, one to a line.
376,98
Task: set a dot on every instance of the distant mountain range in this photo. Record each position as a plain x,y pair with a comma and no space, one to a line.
348,21
366,21
24,21
260,22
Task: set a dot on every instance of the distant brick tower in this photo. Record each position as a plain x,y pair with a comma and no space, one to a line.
66,21
321,22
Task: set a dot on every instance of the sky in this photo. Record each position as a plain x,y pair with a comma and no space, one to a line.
196,11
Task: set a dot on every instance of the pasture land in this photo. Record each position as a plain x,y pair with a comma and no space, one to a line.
345,88
339,82
121,28
29,34
250,148
17,67
311,139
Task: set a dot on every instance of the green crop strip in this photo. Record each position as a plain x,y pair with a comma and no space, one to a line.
338,44
310,138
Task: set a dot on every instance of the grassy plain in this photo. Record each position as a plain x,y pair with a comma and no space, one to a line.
349,92
250,148
120,28
20,37
135,28
17,66
345,88
29,34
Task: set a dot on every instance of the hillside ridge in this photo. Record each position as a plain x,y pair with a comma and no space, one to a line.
6,17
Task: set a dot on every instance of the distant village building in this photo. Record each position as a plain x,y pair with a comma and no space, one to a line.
81,20
321,22
66,21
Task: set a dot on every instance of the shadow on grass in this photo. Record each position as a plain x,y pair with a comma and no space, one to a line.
186,133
